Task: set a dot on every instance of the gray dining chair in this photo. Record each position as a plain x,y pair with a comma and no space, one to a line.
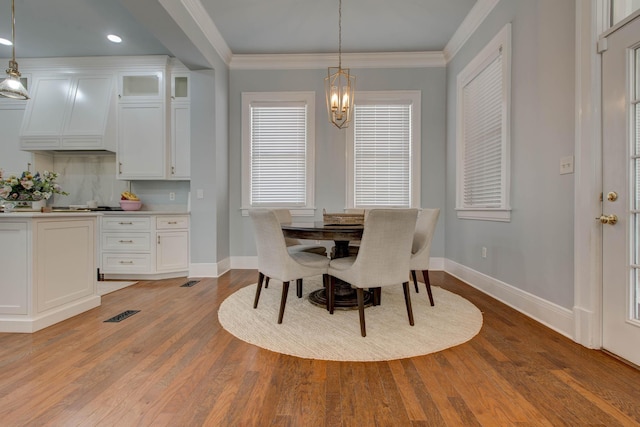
276,262
421,250
295,245
382,260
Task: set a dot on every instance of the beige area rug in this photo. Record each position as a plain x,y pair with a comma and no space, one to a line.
309,331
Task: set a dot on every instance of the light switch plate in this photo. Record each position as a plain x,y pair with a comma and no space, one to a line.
566,165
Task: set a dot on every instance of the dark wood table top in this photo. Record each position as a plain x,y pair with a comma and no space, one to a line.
318,230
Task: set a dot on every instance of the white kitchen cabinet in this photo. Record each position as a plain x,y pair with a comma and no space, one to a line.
142,144
144,246
13,279
47,269
180,87
137,86
180,141
70,112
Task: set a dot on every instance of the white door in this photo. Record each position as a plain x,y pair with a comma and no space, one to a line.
621,175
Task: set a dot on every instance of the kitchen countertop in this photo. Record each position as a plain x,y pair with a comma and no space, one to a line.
67,214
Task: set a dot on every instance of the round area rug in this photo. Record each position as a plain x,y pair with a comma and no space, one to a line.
310,332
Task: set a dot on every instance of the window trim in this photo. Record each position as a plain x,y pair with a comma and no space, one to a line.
412,97
307,97
489,53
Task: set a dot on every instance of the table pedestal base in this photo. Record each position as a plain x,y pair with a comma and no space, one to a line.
345,298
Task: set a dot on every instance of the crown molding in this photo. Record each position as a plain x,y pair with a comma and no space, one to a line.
476,16
351,60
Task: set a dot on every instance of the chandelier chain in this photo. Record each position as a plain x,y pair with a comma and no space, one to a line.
340,35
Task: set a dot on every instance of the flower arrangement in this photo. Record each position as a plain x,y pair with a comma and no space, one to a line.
29,186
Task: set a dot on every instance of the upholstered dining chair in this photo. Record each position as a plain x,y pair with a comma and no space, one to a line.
382,260
421,250
276,262
295,245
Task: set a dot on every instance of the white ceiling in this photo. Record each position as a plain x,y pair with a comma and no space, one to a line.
54,28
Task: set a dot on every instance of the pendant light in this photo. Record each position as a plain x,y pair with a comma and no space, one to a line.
340,87
12,87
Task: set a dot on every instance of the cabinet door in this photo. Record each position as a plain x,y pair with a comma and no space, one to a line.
172,251
141,141
180,91
180,141
89,106
14,255
46,110
141,86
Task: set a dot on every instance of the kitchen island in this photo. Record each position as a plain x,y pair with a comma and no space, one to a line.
47,268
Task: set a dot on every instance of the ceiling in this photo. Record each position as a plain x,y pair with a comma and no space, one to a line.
54,28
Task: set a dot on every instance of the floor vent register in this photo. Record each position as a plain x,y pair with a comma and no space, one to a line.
120,317
189,284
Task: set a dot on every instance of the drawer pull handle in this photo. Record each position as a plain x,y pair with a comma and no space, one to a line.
173,222
125,223
125,241
126,262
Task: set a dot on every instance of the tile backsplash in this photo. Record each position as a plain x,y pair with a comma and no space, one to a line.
93,177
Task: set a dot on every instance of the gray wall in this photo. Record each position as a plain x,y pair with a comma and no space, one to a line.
209,170
533,252
330,141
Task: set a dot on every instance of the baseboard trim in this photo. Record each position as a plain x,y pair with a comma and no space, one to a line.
209,269
549,314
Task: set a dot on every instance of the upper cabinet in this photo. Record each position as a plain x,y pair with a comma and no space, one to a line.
137,86
154,122
69,112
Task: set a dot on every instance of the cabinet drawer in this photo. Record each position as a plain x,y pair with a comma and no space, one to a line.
126,263
126,223
170,222
126,242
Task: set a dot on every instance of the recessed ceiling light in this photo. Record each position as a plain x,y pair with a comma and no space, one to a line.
113,38
5,42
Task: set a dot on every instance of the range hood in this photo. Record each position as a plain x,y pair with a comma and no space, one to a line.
70,112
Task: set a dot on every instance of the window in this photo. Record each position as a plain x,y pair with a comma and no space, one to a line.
383,154
482,145
278,150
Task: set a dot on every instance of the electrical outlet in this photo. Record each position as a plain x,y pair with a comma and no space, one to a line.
484,252
172,196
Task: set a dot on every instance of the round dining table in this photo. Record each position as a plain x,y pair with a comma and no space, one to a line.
341,234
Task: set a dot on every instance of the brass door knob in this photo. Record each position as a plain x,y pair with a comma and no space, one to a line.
608,219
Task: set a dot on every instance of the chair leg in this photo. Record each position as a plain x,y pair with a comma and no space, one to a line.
330,294
377,295
266,283
415,280
283,300
360,295
299,288
407,300
425,274
258,289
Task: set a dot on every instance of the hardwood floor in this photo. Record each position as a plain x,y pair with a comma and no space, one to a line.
172,364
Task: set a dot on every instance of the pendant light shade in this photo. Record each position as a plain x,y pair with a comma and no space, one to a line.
12,87
340,87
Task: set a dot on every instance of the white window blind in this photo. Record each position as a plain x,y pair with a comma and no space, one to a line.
483,133
482,98
382,155
278,154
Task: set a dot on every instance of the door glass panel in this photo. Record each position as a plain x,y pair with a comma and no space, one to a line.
635,228
140,85
181,87
620,9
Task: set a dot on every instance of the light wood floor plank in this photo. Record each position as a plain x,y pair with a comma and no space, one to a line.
173,364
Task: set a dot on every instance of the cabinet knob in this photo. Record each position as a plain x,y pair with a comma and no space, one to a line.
158,239
126,262
126,241
120,168
173,222
125,223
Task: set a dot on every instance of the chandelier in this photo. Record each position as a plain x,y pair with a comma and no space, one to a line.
340,87
12,87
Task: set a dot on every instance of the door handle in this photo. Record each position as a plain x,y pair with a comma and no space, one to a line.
608,219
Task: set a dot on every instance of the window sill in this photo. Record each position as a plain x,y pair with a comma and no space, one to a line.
294,211
501,215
